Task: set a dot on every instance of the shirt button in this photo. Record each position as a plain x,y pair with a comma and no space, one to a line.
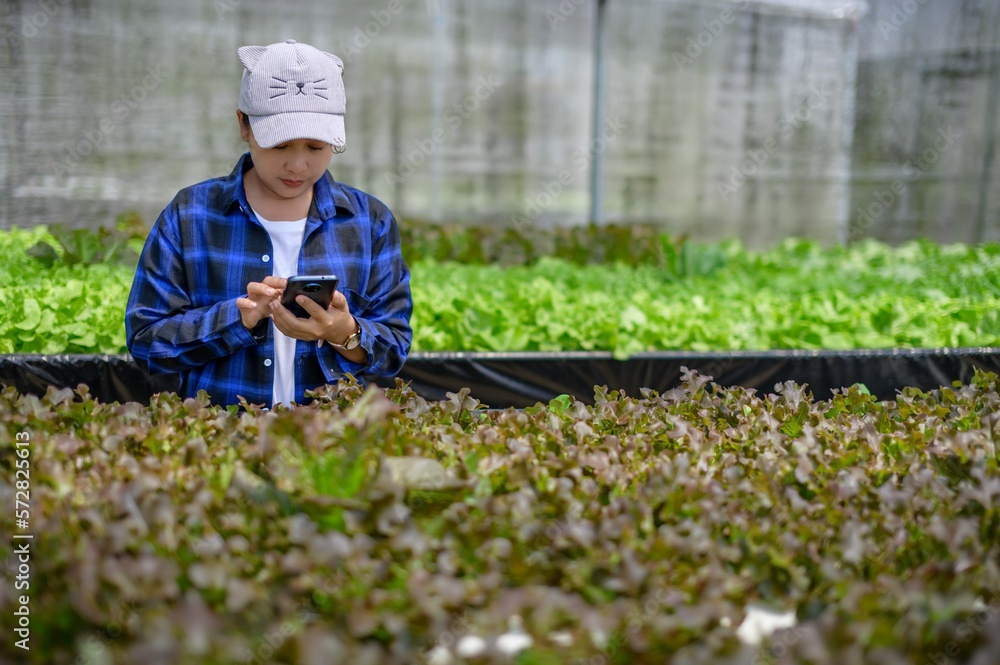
267,363
265,258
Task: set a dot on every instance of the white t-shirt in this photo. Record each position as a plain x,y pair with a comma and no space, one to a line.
286,241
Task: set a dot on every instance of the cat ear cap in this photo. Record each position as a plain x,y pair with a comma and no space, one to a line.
293,91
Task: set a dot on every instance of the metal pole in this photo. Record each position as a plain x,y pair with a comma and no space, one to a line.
845,172
985,176
599,114
439,16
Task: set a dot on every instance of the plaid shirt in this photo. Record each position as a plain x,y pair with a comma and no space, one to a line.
207,246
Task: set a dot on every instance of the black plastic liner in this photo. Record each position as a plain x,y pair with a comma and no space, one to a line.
522,379
502,380
110,378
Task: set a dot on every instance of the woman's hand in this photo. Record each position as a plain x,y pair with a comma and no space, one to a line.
334,324
256,305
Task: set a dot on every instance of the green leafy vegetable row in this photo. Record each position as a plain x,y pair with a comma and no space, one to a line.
706,297
796,295
59,306
378,527
632,244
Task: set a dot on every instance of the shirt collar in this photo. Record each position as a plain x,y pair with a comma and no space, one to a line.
329,194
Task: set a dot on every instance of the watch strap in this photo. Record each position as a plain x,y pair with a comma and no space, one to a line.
352,342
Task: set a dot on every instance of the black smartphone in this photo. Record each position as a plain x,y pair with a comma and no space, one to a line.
318,287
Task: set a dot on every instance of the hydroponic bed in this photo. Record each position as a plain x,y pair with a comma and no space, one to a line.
504,380
523,318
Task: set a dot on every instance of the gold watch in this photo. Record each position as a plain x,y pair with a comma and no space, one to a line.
352,342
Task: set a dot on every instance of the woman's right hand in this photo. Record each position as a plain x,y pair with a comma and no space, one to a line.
256,305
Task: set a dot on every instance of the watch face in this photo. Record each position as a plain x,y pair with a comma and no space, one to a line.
353,342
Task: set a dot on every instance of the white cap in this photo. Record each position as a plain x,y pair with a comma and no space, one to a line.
293,91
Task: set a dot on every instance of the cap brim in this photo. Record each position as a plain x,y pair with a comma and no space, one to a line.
272,130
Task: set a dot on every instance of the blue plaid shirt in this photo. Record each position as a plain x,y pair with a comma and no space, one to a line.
204,249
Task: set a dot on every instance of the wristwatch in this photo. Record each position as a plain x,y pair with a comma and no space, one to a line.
352,342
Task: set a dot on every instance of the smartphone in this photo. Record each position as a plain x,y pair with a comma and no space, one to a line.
318,287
